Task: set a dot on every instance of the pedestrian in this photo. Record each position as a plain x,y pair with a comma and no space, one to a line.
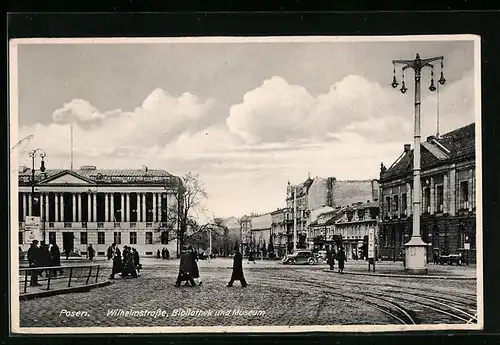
34,261
115,255
163,254
195,273
128,263
90,252
158,254
55,256
341,258
251,257
237,273
330,259
137,263
45,258
167,254
185,268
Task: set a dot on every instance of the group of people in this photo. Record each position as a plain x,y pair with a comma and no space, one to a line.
43,256
189,272
165,254
126,263
331,256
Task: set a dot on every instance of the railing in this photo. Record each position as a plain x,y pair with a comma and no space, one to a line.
73,274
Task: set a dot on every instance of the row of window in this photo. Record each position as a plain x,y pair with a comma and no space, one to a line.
117,237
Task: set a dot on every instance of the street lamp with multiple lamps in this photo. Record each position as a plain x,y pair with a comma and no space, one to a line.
33,154
416,258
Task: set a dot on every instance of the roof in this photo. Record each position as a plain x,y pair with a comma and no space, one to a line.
450,146
100,175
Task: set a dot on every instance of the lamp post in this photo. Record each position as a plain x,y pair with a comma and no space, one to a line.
416,259
33,154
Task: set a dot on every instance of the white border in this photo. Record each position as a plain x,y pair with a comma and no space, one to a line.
14,262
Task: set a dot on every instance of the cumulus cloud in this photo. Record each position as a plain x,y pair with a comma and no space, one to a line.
278,111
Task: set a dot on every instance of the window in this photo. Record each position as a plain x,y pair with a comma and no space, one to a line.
404,204
52,237
133,237
396,203
117,238
100,237
83,238
149,237
21,237
464,194
388,203
427,200
439,199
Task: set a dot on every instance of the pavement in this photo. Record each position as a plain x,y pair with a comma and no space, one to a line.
276,295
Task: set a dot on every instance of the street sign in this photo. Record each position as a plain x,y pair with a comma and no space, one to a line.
371,243
32,229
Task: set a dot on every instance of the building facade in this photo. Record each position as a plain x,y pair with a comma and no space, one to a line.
101,206
352,224
261,231
448,195
279,231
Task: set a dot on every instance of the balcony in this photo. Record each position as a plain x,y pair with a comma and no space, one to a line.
68,224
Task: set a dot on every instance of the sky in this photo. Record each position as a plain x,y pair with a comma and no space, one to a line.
248,117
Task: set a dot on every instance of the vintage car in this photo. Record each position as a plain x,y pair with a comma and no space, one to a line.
300,257
451,259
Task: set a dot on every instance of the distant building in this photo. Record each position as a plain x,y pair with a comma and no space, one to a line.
448,181
246,231
319,192
279,231
261,231
101,206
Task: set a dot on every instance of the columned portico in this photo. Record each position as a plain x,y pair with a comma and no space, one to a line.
127,216
139,207
79,207
106,207
61,210
154,208
143,217
122,207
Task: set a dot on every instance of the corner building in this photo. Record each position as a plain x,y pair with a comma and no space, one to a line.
101,206
448,196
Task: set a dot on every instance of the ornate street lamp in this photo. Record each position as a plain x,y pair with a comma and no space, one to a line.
416,260
33,154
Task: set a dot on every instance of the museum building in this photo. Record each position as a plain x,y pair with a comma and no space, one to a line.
100,206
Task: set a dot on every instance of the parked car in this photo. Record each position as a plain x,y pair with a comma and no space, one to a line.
451,259
300,257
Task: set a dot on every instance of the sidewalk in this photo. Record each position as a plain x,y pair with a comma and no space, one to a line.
396,269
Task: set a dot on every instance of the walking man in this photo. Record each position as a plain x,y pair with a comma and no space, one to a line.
330,259
237,269
115,255
185,268
55,255
341,257
90,252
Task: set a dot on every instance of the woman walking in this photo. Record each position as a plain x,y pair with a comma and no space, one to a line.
341,259
330,259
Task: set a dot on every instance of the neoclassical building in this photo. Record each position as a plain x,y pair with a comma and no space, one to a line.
101,206
448,195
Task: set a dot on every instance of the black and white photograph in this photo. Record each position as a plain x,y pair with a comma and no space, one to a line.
245,184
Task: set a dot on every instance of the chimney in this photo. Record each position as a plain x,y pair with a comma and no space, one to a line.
407,147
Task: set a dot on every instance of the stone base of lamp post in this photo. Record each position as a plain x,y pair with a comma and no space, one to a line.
416,256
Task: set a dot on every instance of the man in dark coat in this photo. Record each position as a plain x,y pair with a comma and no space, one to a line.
137,263
128,263
195,273
34,261
55,257
185,268
90,252
341,258
158,254
330,260
115,255
163,254
237,269
45,258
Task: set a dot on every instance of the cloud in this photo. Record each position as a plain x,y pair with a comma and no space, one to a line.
277,111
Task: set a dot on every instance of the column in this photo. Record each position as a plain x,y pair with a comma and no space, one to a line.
138,207
46,214
154,208
127,219
446,192
79,207
433,193
89,207
409,202
94,205
122,207
471,189
40,204
73,206
160,211
453,192
61,203
57,210
143,207
112,206
25,206
106,207
30,203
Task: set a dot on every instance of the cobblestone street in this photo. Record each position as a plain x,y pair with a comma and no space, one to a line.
277,294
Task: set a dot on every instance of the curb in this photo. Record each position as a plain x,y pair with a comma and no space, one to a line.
405,275
48,293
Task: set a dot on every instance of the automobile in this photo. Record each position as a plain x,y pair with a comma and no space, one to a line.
321,256
451,259
300,257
